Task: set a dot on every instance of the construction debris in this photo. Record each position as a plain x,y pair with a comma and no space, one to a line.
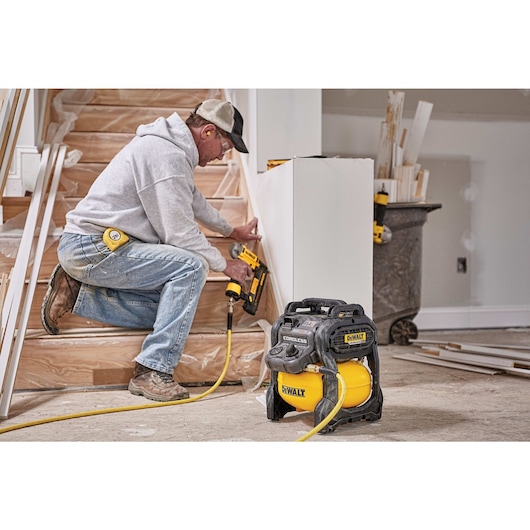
397,171
512,360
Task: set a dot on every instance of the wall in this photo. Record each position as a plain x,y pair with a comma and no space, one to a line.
500,217
26,158
289,124
317,226
278,123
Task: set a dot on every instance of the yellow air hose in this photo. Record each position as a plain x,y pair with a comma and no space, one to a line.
130,407
333,412
144,406
97,412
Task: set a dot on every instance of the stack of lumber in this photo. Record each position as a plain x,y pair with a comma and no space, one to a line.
396,167
498,359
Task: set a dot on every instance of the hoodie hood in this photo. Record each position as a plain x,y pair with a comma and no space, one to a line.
174,130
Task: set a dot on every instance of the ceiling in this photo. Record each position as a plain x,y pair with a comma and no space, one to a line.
448,104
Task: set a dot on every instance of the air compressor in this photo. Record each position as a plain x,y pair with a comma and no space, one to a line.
332,335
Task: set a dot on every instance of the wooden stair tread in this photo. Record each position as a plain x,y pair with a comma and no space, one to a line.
81,176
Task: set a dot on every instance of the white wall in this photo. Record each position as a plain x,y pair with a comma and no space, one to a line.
289,124
499,154
317,226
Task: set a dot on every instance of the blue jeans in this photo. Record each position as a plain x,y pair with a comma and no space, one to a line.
139,285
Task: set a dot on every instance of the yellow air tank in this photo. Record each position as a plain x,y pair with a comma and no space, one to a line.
305,390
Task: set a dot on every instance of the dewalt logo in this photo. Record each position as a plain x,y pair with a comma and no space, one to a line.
293,391
355,338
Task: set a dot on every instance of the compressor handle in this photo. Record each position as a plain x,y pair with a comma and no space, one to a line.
313,304
353,309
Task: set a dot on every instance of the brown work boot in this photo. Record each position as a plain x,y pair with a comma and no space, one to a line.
59,299
154,385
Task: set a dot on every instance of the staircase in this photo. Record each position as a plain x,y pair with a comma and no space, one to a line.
89,354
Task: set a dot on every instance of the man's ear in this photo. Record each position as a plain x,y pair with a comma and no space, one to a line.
208,130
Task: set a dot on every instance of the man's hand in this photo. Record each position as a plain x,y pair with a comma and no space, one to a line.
247,232
237,270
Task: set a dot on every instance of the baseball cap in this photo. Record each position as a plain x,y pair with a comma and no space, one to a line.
225,116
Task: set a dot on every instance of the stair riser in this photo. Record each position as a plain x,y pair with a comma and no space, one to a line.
81,176
177,98
51,363
211,314
49,258
94,118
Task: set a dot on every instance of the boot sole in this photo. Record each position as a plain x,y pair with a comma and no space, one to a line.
48,298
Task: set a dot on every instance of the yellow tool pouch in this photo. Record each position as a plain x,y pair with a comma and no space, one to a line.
114,238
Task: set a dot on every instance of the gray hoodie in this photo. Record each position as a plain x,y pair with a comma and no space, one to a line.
147,190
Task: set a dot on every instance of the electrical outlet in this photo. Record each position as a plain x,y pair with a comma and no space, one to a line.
461,265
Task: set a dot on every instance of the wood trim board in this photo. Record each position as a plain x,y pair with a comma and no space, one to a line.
9,141
16,285
9,383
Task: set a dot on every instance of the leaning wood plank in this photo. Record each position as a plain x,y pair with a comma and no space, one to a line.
405,177
3,290
429,360
5,399
7,114
394,111
21,262
417,133
383,161
16,285
497,352
8,147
